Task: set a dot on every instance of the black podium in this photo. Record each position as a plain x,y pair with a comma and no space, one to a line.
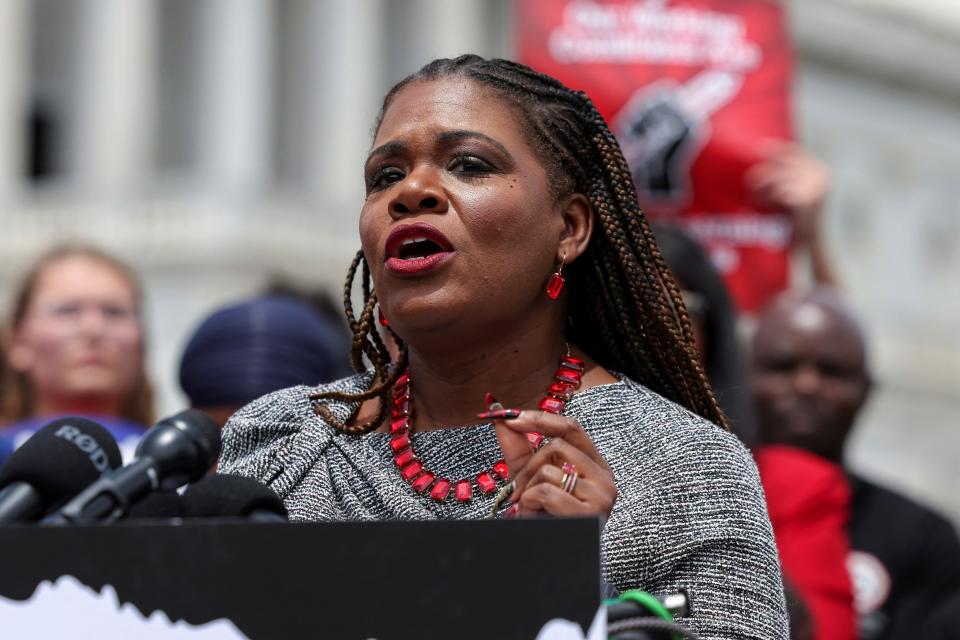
383,580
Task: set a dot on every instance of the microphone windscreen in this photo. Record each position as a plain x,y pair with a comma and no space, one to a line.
226,495
205,430
159,504
62,459
183,447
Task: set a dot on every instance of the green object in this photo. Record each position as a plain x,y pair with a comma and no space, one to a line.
645,600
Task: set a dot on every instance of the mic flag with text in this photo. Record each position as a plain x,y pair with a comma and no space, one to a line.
693,89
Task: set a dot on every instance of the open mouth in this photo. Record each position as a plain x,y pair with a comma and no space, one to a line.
414,248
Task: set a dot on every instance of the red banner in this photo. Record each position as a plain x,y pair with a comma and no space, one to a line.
693,89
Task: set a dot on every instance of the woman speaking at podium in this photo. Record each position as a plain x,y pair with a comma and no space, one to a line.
541,341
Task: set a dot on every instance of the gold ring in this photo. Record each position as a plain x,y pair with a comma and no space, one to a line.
570,477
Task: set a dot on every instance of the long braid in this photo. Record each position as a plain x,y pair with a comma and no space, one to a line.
366,342
625,309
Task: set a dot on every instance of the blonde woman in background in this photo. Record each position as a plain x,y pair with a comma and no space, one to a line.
75,346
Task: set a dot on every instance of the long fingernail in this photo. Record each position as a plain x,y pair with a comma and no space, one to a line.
512,511
500,414
492,403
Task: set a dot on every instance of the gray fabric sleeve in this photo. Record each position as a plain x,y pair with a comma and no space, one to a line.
258,437
716,543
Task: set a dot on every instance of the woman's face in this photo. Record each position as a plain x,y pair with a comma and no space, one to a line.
459,224
81,336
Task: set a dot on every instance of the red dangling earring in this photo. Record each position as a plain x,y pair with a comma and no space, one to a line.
382,319
555,284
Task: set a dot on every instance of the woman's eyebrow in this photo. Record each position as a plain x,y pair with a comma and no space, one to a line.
389,148
397,147
457,135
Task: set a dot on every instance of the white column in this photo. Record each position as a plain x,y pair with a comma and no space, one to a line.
335,91
14,94
110,143
446,29
235,114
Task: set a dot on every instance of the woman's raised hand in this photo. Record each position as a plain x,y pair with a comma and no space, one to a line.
565,477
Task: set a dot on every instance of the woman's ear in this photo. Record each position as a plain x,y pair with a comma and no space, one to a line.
577,213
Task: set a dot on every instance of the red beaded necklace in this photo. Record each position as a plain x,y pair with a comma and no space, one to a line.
566,380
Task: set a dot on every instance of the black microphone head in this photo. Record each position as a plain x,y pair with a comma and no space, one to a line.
226,495
184,447
159,504
62,459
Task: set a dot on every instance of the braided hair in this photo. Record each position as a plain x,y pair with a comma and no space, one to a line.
624,308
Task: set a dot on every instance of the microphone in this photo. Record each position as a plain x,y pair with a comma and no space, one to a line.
229,496
175,451
54,465
638,615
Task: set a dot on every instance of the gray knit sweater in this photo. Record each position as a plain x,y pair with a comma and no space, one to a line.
690,512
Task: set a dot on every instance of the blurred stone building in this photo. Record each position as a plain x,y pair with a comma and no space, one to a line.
216,143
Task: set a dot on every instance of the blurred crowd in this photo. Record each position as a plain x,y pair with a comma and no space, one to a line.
75,344
860,560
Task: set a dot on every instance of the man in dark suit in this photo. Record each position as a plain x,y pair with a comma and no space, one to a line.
811,380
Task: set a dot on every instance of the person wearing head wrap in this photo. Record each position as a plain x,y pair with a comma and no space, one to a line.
249,349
